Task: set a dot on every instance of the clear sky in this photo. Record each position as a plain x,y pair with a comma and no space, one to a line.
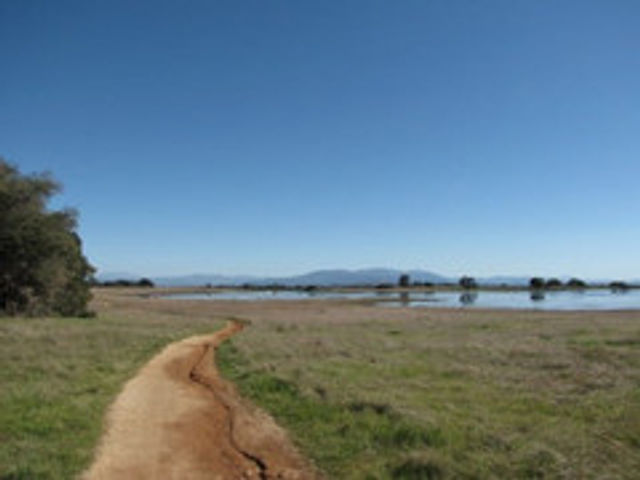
276,137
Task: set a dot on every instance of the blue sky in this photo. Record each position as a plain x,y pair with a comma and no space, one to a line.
465,137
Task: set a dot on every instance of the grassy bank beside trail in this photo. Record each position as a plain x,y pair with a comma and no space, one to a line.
473,395
59,375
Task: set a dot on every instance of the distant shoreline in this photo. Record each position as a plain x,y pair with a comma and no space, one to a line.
363,288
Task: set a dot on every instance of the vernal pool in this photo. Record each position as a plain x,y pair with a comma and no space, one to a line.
591,299
600,299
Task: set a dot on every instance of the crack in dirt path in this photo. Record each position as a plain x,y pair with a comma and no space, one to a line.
208,383
179,419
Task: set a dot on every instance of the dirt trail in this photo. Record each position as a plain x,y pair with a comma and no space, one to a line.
178,419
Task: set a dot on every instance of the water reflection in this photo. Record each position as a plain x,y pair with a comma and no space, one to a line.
405,299
468,298
593,299
537,296
617,290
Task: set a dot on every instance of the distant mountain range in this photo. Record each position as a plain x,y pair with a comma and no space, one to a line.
370,276
324,278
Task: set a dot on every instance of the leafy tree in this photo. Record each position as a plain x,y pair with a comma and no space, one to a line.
404,280
537,282
468,282
42,268
553,283
619,286
145,282
576,283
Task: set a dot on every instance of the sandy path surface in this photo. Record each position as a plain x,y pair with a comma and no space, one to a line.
178,419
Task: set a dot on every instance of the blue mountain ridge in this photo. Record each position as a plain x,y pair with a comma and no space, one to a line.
327,278
324,278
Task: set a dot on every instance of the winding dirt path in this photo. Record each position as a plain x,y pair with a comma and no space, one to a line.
178,419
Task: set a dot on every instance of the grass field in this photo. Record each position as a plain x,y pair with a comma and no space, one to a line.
59,375
366,392
463,394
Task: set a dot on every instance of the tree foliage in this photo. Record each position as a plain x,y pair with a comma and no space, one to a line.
123,282
576,283
42,268
467,282
553,283
619,286
537,282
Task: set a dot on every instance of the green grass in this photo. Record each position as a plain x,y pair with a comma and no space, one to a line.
57,378
348,439
467,396
367,393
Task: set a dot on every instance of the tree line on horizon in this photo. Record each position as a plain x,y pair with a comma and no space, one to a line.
536,283
122,282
